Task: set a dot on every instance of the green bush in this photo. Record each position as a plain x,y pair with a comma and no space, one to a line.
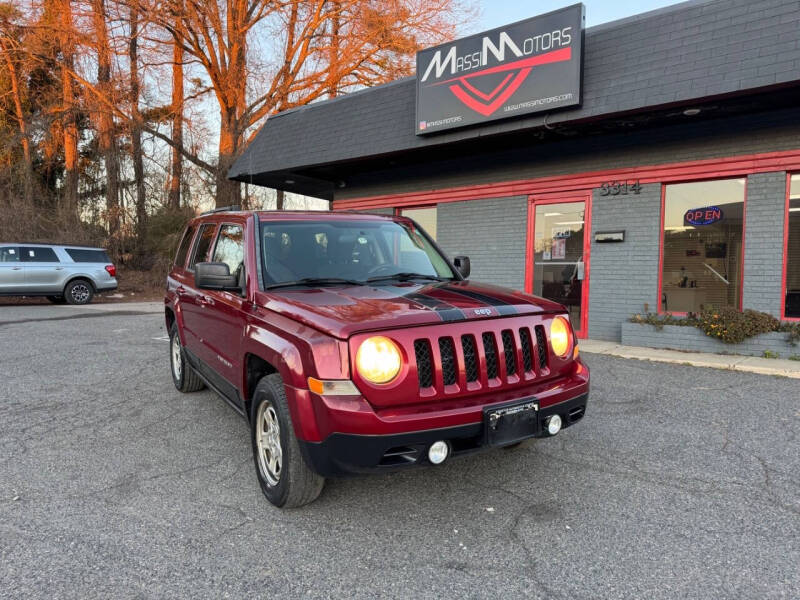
725,324
733,327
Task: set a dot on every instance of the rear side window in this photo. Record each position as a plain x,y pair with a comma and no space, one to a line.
8,254
183,249
204,239
88,256
37,254
230,247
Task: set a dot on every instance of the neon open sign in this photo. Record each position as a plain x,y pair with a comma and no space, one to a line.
703,216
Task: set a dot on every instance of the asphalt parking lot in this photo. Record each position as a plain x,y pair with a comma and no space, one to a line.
680,483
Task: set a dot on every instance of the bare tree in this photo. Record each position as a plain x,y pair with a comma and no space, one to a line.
68,111
177,108
136,128
106,128
7,47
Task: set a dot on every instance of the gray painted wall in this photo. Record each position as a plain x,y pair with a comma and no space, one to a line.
624,276
492,233
763,246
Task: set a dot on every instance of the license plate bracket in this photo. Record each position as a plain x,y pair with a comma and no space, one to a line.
511,422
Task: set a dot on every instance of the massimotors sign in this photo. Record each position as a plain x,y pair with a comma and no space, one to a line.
530,66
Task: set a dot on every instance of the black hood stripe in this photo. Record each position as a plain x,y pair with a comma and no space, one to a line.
502,307
447,312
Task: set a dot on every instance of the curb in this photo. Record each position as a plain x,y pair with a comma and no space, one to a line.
729,362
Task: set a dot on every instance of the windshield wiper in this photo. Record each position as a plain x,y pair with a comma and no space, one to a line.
314,281
405,277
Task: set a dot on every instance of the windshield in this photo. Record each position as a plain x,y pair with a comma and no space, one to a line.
351,251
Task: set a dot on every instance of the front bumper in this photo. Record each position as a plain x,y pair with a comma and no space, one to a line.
346,453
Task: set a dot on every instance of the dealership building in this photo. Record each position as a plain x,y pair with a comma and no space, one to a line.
651,164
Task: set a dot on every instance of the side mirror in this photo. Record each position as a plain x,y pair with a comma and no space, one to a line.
461,264
215,276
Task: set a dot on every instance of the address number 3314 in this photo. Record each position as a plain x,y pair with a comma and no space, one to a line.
617,188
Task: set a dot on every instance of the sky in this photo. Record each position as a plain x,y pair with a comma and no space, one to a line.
501,12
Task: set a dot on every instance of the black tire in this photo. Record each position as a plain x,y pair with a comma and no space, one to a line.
296,485
79,291
57,299
184,377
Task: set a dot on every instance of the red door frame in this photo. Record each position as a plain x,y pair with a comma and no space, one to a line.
786,248
584,196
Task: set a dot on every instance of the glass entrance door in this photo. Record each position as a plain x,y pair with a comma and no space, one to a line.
561,255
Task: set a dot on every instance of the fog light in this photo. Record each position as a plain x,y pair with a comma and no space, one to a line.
553,424
438,452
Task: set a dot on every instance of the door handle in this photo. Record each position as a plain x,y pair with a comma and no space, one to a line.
16,268
59,268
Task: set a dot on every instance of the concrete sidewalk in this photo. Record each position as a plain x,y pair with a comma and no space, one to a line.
732,362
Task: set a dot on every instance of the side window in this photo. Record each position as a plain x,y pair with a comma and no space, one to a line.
38,254
230,247
183,249
88,256
204,239
9,254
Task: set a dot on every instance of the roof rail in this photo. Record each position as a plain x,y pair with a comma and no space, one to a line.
221,209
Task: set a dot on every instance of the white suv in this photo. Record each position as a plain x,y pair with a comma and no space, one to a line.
61,273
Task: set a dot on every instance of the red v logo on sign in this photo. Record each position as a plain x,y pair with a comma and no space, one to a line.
518,72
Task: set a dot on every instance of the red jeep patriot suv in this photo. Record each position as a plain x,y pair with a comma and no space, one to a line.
352,344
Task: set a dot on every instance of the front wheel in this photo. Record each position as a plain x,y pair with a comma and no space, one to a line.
283,475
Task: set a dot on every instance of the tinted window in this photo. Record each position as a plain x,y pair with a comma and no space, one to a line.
230,247
204,239
36,254
8,254
88,256
183,249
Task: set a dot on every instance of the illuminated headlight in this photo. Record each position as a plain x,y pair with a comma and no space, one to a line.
560,336
378,359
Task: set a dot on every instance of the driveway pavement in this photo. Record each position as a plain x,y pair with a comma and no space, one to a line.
681,482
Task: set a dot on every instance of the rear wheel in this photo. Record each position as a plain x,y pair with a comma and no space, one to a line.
283,475
79,291
183,375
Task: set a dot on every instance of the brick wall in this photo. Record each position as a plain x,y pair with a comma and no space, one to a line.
763,246
492,233
624,276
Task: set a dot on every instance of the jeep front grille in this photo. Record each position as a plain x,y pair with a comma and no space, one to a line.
487,358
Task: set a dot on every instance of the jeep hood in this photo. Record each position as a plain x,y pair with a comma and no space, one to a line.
342,311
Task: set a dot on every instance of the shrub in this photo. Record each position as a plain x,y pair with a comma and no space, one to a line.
725,324
733,327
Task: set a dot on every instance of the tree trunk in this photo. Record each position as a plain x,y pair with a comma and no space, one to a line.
176,160
106,126
228,192
69,120
23,127
136,136
279,197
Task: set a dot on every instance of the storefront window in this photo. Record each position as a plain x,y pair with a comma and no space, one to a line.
426,217
792,309
702,253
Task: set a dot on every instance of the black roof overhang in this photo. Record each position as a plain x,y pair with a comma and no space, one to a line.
321,180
